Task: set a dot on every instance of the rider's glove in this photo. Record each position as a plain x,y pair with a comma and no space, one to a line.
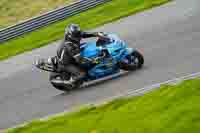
100,34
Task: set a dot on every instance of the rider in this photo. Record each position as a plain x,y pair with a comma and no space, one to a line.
69,51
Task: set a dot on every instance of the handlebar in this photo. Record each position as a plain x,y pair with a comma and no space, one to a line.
103,39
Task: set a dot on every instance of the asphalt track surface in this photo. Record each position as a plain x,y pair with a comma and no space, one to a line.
168,36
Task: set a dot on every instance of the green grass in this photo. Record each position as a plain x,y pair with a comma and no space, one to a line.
90,19
13,11
170,109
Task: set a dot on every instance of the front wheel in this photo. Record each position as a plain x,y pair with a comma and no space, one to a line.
132,62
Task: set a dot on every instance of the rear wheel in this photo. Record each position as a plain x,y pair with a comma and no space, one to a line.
56,80
132,62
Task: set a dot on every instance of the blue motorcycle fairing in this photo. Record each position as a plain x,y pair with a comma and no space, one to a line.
105,68
90,50
116,48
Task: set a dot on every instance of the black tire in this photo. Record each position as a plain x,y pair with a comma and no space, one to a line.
133,66
62,86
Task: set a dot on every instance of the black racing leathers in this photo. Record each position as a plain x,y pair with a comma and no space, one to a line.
66,53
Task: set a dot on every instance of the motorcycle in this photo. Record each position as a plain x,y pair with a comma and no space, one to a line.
100,59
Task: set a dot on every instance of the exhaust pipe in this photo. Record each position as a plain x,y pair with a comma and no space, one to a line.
62,82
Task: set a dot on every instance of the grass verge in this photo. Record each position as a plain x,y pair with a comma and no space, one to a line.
13,11
90,19
170,109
